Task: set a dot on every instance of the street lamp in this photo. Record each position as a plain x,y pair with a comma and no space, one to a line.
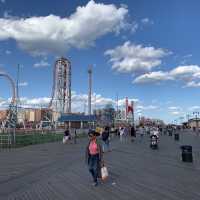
196,114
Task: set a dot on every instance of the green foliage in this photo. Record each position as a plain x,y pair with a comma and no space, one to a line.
29,139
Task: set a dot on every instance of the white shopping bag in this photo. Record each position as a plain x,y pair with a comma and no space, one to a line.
65,138
104,173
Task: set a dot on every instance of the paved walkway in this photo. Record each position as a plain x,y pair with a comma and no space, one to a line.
55,172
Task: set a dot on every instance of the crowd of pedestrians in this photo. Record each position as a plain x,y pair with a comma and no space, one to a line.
99,143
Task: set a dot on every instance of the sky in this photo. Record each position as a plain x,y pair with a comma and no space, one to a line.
145,50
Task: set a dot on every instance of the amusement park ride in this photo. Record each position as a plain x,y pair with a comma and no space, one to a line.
11,118
61,91
60,99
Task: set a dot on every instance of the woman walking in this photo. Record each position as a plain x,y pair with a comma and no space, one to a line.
121,134
94,156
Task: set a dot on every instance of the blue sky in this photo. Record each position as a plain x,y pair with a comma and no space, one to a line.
146,50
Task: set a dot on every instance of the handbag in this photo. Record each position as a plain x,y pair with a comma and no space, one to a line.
65,139
104,172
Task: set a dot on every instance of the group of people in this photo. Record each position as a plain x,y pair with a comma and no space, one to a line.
99,143
124,132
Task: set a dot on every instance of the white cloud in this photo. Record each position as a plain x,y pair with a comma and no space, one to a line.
175,113
174,108
186,59
132,58
149,107
3,1
153,77
193,108
42,63
98,101
8,52
79,102
3,103
169,102
133,27
23,84
35,101
53,34
188,56
146,21
187,74
192,84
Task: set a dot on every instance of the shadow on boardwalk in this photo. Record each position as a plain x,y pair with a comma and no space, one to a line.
55,171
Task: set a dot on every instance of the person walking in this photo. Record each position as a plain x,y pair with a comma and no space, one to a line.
141,131
67,136
105,138
121,134
94,156
125,134
133,133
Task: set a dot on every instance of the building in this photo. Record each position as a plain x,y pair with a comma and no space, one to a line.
3,114
105,116
150,122
37,114
194,123
77,121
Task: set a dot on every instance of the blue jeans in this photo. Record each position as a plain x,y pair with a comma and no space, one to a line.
93,166
106,145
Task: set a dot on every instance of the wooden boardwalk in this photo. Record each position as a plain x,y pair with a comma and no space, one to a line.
55,172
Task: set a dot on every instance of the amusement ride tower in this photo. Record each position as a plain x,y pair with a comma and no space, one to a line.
61,91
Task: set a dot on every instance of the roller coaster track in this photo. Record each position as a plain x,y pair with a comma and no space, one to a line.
11,118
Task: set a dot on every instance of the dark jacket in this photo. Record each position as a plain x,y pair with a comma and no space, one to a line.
67,133
133,132
87,153
105,135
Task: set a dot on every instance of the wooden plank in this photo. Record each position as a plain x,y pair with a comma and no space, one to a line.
57,171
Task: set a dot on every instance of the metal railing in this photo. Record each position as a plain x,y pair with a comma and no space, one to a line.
35,137
5,141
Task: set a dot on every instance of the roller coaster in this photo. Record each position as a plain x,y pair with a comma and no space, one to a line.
10,120
60,99
61,90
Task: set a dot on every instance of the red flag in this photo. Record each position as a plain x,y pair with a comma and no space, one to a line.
130,109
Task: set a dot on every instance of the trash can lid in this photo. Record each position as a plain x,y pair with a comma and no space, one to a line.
188,147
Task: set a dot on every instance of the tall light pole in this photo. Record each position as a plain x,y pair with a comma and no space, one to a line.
196,114
117,107
16,104
133,117
17,85
17,88
89,90
188,117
